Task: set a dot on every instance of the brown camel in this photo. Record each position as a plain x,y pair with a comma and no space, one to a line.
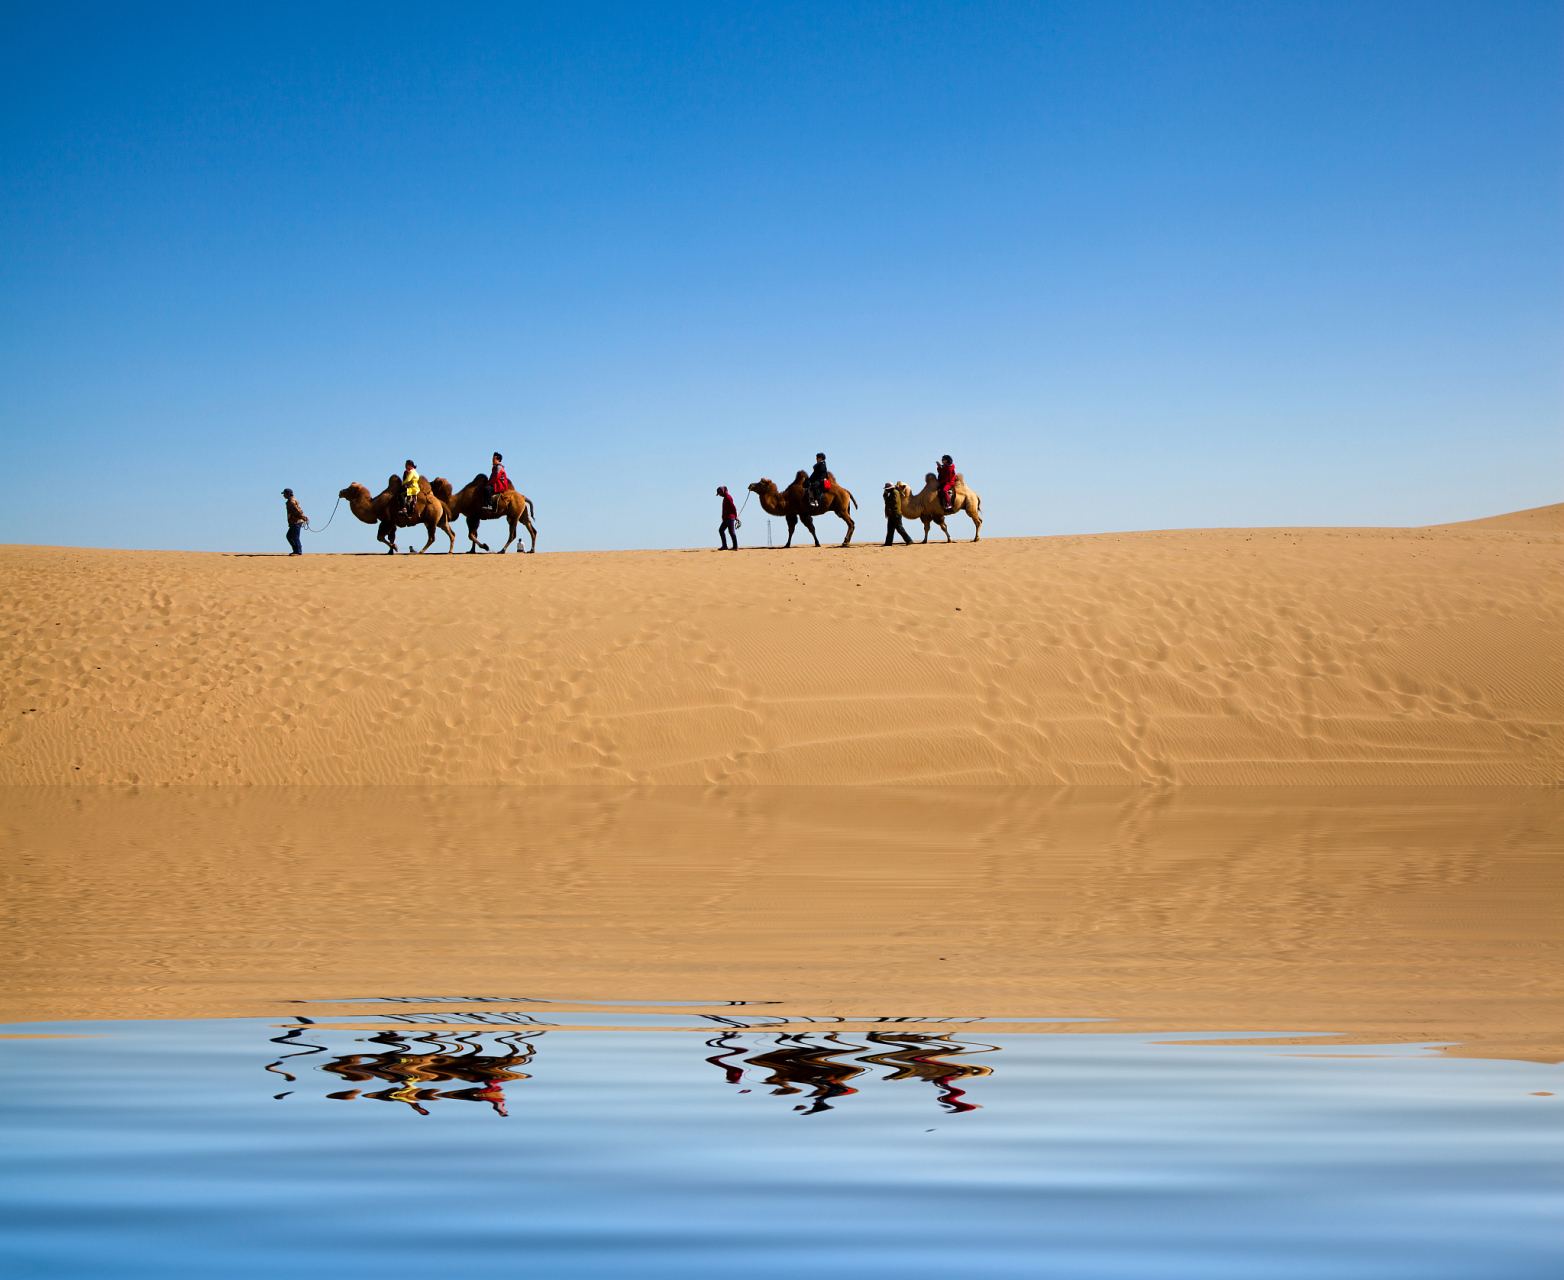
927,506
513,506
385,511
793,504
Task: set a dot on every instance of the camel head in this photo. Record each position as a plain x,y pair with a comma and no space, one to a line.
355,493
763,487
902,488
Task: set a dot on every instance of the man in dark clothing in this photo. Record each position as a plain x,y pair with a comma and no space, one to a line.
296,522
729,526
893,524
817,480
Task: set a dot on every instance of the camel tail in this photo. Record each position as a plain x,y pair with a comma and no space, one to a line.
852,499
531,510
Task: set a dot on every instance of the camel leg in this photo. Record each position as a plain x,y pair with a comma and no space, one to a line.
945,531
387,534
534,534
791,522
850,527
512,537
445,523
925,531
809,524
472,534
977,525
429,525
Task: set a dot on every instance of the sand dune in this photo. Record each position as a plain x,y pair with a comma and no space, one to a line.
1296,656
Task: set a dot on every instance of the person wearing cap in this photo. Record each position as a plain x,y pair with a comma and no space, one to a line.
296,521
729,525
410,480
893,524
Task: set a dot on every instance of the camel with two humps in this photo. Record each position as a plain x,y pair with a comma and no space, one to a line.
794,506
926,505
512,506
384,510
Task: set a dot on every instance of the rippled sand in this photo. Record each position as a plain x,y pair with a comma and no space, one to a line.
1258,656
1378,915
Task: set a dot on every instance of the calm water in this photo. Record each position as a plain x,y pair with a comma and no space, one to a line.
249,1147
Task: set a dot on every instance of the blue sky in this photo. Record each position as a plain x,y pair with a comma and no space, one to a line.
1134,265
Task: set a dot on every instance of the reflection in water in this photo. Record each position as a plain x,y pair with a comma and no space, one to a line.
449,1058
794,1063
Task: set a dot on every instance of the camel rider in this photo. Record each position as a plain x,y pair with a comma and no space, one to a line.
818,483
947,483
498,483
411,487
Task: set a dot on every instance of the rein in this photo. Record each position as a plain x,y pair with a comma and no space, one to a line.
327,525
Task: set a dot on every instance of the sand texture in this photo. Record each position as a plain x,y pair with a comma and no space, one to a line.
1267,656
1350,914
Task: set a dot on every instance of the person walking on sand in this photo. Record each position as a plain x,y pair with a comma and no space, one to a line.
296,521
893,524
729,526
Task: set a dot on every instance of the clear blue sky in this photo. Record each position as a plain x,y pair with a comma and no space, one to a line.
1134,265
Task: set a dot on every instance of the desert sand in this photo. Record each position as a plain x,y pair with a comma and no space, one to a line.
1262,656
1350,915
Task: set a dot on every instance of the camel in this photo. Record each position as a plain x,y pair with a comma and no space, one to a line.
513,506
793,504
385,511
927,507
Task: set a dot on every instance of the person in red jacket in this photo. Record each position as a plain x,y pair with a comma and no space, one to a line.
947,483
499,482
729,526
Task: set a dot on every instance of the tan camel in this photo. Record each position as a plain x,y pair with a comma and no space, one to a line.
927,507
513,506
793,504
385,511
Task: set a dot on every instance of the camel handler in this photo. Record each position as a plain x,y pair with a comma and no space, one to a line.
296,521
410,488
893,524
499,483
729,526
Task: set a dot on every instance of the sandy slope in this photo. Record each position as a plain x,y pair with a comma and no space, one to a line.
1199,656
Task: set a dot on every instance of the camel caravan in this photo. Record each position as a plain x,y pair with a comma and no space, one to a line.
944,493
408,501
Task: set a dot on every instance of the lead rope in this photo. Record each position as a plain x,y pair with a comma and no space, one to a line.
327,525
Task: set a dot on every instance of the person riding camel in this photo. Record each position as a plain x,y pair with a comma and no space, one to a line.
819,482
410,488
497,484
947,484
